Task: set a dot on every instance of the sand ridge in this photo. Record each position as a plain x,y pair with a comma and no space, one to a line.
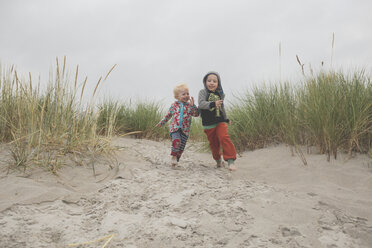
271,201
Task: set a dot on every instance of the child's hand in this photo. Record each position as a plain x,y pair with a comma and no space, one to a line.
192,101
219,103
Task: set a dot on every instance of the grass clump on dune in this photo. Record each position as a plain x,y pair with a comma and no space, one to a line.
44,125
330,110
336,112
138,118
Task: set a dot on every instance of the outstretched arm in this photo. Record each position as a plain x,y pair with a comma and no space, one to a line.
167,116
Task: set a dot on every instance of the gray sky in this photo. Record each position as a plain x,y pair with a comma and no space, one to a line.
158,44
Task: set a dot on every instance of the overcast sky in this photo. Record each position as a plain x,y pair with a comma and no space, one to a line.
159,44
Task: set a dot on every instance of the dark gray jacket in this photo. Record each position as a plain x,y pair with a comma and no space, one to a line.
205,107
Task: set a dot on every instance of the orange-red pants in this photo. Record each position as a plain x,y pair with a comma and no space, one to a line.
218,139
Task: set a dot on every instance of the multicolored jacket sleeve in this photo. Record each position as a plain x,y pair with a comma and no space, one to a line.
169,115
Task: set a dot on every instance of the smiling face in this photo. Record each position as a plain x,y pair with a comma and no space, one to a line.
183,95
211,82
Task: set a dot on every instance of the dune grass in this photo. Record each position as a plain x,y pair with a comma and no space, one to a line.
44,125
140,118
135,117
329,110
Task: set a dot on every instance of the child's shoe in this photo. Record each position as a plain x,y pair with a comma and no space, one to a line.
231,165
219,163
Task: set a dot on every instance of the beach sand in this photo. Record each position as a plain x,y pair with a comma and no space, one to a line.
137,200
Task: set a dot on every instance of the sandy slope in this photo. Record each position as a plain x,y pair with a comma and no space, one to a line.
271,201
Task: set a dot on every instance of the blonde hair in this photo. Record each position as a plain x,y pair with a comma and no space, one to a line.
177,89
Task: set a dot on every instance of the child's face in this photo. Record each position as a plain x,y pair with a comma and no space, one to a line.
212,82
183,95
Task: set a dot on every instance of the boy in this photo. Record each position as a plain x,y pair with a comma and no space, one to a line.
214,120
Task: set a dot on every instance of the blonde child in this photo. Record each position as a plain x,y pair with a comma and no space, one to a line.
181,112
215,121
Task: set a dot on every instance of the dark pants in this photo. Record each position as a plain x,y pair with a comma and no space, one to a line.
179,140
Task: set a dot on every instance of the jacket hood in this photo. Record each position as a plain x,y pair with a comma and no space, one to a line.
219,87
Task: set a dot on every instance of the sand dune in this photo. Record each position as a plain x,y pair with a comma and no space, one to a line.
271,201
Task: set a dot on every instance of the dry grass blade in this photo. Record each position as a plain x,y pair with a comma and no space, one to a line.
95,89
57,67
29,74
333,45
112,68
131,133
302,65
64,65
298,60
82,90
108,237
76,77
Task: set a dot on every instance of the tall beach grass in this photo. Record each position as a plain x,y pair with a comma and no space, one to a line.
42,125
132,117
139,119
330,110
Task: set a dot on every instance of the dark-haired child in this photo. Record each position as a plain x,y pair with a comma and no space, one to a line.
214,120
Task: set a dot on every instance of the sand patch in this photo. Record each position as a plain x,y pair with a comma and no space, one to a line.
271,201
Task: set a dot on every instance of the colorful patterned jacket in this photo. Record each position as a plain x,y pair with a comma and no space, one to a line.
181,114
